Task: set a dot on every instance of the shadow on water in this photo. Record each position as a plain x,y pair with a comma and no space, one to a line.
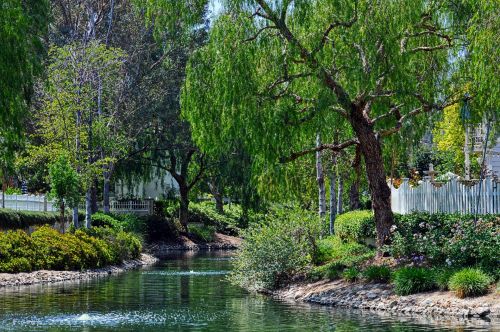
187,291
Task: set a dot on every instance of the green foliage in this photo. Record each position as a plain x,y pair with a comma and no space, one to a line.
333,249
64,182
442,277
123,245
159,229
275,249
447,239
377,273
469,282
13,191
411,280
351,274
10,219
355,226
329,271
46,248
204,233
23,25
100,219
231,222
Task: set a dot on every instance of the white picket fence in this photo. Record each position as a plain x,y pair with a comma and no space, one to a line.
41,203
452,197
28,203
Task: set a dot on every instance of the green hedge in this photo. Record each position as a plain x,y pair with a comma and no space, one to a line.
11,219
355,226
48,249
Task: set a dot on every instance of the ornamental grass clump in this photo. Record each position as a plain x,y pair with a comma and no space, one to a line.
411,280
469,282
377,273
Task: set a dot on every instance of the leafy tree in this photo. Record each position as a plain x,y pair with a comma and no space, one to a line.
23,25
276,73
65,184
78,113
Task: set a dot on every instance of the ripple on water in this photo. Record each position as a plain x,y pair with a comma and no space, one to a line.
186,273
112,319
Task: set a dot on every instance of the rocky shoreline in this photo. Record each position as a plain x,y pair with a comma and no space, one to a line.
48,276
381,297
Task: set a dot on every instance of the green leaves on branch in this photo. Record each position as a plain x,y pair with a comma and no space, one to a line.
65,182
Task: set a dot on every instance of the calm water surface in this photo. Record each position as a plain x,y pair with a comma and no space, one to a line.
186,292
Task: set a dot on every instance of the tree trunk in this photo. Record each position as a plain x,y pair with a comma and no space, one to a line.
379,189
333,196
94,206
184,206
75,217
88,208
218,196
61,209
340,191
354,202
105,192
467,153
321,183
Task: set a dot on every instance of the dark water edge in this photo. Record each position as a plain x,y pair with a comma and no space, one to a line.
188,291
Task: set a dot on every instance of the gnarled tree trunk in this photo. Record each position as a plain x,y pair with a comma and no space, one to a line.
380,191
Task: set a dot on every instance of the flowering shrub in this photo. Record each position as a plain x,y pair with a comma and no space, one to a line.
447,239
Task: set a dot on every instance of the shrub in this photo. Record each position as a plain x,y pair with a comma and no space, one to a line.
347,254
410,280
46,248
469,282
328,271
355,226
447,239
202,232
231,222
10,219
377,273
100,219
132,223
159,228
351,274
122,245
277,248
442,277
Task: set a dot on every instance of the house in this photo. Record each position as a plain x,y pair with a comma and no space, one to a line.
156,188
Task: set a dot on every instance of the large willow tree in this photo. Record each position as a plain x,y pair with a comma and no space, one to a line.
277,73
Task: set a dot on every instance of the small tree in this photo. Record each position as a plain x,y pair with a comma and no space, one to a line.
65,184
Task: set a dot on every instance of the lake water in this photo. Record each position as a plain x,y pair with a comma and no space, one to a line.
187,292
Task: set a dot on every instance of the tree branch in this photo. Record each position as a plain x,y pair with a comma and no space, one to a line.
259,32
331,147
